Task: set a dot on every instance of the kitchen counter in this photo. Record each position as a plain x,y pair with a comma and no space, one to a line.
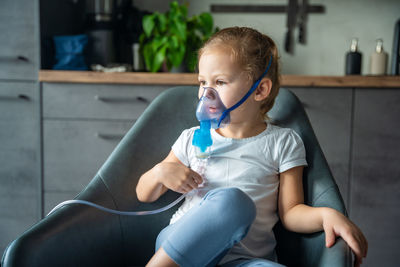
53,76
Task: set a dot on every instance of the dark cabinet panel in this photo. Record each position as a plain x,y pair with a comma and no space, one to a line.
329,111
375,190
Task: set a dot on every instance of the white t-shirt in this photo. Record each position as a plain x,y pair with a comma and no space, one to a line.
252,165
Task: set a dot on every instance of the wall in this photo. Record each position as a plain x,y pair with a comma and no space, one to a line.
329,34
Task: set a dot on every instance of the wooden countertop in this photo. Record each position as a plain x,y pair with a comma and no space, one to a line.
191,79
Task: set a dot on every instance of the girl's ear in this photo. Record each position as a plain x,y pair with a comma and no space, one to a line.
263,89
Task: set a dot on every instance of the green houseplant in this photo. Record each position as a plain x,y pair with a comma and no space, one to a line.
173,38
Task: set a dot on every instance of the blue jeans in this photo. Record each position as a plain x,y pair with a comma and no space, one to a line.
206,232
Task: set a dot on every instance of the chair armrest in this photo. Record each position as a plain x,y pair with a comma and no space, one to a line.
337,255
73,235
294,249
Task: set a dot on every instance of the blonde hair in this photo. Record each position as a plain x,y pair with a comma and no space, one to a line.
252,50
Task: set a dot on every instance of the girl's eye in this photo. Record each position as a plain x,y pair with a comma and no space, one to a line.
202,83
219,82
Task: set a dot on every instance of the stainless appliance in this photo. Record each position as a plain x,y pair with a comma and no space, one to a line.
100,29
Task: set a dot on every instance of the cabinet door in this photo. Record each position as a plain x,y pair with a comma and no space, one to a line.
73,153
19,157
329,111
375,194
19,45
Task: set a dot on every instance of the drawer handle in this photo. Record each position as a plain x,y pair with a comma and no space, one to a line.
121,99
107,136
22,58
16,97
14,58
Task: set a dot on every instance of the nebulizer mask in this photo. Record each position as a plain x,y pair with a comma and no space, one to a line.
211,113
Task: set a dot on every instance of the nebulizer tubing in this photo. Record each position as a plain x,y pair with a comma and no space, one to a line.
118,212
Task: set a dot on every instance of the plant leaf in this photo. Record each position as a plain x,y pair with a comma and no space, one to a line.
158,41
176,57
148,24
183,11
174,5
178,27
162,19
173,40
148,56
159,58
206,22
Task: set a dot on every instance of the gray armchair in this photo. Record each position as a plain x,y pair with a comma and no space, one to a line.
78,235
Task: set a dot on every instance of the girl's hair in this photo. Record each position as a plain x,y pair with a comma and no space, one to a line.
252,50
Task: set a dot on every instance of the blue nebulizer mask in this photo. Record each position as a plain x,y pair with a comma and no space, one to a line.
208,112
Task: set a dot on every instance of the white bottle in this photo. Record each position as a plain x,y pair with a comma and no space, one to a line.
378,61
138,64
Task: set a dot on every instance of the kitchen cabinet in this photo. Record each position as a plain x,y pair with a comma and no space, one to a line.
329,110
19,157
375,184
82,124
19,46
19,118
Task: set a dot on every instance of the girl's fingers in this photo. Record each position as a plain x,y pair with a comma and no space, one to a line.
186,189
330,237
362,241
365,242
192,183
357,246
197,177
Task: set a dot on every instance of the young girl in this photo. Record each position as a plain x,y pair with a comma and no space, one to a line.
228,219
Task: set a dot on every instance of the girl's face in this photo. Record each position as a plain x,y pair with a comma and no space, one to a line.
218,70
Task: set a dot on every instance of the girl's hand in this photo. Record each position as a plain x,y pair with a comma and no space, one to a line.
336,224
177,177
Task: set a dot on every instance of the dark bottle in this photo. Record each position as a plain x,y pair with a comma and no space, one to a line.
353,59
396,50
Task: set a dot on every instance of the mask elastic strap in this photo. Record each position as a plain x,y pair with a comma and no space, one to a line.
244,98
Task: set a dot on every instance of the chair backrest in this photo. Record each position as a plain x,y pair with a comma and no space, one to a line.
150,140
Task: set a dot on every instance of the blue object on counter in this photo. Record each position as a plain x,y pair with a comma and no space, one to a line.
69,52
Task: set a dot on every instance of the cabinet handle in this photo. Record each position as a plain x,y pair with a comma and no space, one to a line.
13,58
15,97
22,58
121,99
108,136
